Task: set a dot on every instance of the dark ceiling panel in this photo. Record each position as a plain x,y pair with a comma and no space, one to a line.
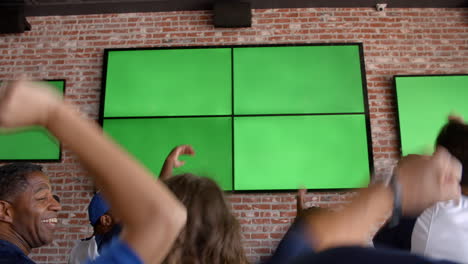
75,7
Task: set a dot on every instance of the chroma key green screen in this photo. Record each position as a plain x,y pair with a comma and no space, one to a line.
424,103
34,144
259,118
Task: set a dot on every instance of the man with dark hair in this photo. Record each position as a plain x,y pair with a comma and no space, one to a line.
28,211
105,228
442,230
13,178
105,225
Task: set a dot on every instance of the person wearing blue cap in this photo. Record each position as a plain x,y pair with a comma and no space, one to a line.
105,228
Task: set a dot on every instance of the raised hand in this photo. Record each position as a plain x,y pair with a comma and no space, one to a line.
177,152
25,103
426,180
300,197
172,160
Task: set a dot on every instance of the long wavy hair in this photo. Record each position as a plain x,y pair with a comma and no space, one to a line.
212,233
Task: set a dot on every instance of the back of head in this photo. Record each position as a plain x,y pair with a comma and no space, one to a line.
454,137
212,233
13,178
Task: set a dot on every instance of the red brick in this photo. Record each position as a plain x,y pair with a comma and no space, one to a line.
259,236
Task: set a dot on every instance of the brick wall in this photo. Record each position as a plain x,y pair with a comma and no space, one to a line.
399,41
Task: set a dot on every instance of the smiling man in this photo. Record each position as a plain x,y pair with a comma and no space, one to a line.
28,211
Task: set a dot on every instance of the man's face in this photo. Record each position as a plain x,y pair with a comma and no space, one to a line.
35,211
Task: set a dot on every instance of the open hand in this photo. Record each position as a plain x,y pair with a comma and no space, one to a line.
172,161
173,157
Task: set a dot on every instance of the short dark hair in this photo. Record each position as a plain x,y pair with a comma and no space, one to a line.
13,178
454,137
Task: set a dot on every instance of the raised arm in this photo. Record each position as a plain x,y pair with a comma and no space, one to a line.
172,161
300,196
152,216
424,180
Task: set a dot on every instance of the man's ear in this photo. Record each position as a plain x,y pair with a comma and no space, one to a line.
6,212
106,220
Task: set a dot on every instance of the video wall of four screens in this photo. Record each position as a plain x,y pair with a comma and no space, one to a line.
259,118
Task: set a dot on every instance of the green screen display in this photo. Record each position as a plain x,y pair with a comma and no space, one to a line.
297,113
286,152
31,144
151,140
424,102
293,80
168,82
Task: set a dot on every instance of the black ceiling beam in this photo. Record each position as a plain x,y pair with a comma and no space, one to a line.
67,7
12,17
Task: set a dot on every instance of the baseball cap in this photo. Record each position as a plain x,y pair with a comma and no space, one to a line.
97,208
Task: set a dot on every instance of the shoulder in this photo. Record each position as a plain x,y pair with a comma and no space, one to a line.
427,217
85,241
11,254
464,202
450,209
14,257
422,229
83,250
79,244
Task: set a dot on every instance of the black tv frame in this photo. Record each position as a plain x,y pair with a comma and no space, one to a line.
400,150
60,143
364,92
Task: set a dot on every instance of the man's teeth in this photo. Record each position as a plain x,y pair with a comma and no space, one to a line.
50,220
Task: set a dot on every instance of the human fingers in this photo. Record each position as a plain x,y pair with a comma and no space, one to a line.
178,163
187,150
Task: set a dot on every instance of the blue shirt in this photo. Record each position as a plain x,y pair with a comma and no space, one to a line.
102,240
397,237
293,244
360,255
118,252
10,253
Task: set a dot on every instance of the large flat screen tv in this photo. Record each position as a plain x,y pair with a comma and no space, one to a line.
260,118
424,103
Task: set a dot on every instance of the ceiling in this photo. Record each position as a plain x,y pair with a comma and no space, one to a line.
76,7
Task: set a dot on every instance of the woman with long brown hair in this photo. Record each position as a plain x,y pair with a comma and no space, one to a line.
212,233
